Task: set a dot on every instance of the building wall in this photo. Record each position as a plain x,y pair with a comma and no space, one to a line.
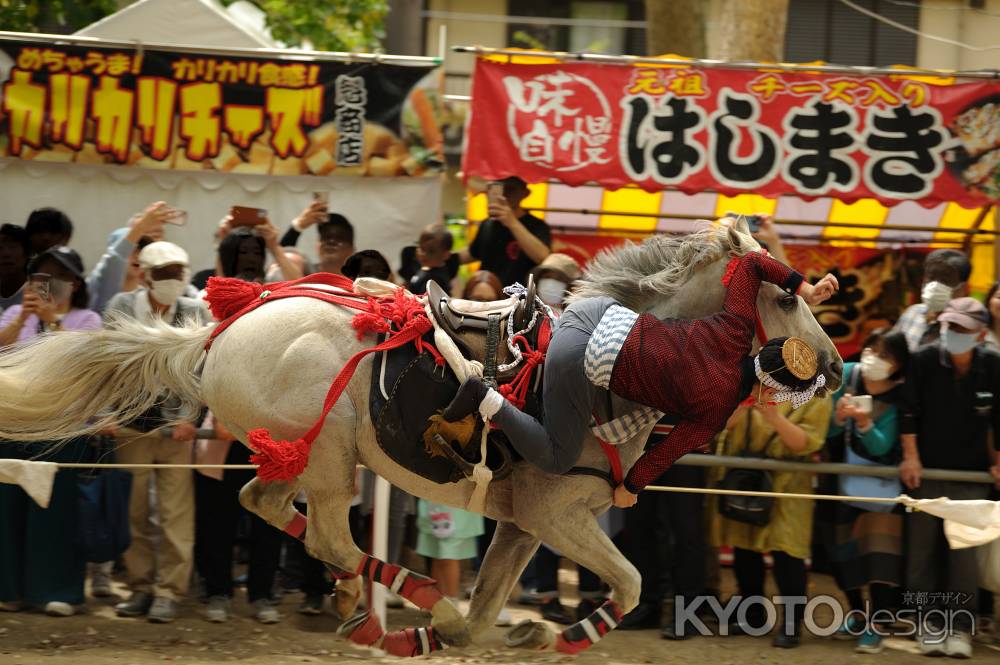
954,19
459,65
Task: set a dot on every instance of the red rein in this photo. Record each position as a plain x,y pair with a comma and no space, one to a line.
400,317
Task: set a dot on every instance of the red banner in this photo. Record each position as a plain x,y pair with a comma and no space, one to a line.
772,133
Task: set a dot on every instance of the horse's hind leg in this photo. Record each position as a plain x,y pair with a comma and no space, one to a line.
509,553
272,501
577,535
328,538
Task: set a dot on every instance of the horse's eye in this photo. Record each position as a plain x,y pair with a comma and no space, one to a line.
788,302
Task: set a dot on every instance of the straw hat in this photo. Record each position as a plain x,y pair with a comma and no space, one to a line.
563,265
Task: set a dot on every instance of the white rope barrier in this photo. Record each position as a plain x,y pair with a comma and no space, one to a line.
651,488
777,495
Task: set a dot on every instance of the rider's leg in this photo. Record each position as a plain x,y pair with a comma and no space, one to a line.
568,398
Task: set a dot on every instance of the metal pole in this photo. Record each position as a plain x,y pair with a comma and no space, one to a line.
599,58
789,222
830,468
380,542
292,54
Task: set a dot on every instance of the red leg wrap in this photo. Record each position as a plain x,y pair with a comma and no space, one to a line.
297,527
412,642
419,590
364,629
583,634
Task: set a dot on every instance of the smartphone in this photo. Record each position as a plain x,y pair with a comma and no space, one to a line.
863,403
321,197
244,216
40,282
177,217
494,192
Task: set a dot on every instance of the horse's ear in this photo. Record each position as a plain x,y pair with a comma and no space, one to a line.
736,240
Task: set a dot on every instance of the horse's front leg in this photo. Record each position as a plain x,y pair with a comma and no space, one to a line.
509,553
578,536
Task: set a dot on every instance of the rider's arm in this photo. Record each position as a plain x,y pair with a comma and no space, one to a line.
744,282
687,435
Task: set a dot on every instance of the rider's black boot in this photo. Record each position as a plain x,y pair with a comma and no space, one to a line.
467,400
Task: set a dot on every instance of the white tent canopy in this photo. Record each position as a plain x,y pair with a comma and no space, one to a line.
191,22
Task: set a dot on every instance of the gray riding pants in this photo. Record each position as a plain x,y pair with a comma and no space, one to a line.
568,396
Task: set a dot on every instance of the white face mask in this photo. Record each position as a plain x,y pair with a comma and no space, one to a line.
167,291
874,368
60,291
551,291
936,296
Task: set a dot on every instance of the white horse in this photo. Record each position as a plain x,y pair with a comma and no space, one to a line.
272,369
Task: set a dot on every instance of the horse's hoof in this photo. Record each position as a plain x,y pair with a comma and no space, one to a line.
364,629
347,598
453,633
530,635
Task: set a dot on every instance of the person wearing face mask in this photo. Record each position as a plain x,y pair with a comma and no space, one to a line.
951,403
862,538
946,275
41,564
554,278
158,565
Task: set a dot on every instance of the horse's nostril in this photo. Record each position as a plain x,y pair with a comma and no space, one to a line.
836,369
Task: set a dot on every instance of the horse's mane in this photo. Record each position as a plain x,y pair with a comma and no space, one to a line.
633,273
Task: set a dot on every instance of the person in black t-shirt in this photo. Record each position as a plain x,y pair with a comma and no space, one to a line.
951,402
433,260
511,242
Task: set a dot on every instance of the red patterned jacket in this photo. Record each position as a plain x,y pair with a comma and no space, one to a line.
694,369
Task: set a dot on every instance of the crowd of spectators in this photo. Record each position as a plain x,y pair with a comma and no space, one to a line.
922,395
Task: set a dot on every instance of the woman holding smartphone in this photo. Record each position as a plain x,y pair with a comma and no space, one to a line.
40,563
864,540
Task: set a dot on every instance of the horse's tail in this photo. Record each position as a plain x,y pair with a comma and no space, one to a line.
70,384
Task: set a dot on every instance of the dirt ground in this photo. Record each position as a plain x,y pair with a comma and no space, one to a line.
98,637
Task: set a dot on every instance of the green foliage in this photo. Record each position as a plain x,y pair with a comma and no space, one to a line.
330,25
58,16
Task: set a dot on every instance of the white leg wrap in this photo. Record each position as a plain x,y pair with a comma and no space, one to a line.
491,404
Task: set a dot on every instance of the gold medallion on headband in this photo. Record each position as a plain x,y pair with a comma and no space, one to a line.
799,358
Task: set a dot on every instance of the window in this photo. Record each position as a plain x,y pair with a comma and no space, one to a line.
830,30
615,36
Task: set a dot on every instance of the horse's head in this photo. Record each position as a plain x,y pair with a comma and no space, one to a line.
681,277
782,315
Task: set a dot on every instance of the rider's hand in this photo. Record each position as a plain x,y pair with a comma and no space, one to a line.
821,291
623,498
184,432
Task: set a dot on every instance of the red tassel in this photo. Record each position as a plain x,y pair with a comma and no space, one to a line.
731,267
278,460
227,296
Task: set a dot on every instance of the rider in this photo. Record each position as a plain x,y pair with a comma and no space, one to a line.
698,369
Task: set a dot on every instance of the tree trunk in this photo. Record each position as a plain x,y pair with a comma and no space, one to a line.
752,30
675,26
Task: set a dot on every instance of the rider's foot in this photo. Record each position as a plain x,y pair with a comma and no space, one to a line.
467,400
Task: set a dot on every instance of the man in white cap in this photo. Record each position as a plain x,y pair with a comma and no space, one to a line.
159,579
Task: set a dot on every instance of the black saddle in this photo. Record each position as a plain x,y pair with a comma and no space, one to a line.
408,387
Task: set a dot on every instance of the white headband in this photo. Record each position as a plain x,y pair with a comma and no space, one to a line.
784,394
